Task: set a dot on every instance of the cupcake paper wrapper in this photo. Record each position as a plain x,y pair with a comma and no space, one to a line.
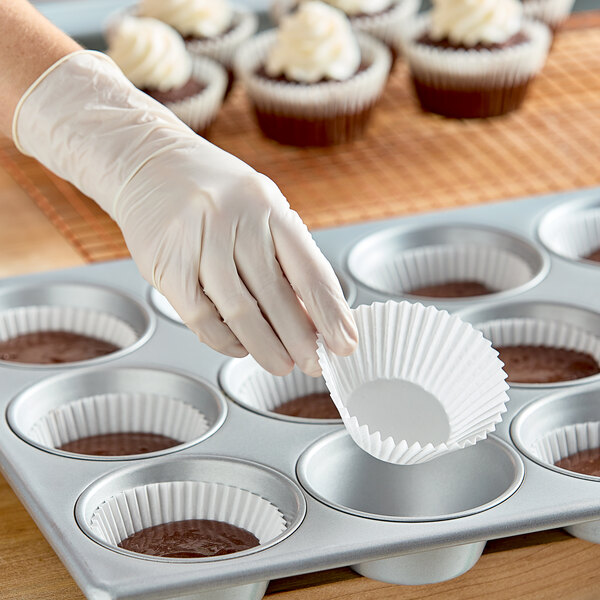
119,412
439,67
222,48
199,111
573,236
540,332
551,12
249,384
430,350
318,100
84,321
431,265
145,506
564,441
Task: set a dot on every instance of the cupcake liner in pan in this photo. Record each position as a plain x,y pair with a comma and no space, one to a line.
91,311
551,12
572,234
246,382
199,111
119,400
395,262
420,384
405,524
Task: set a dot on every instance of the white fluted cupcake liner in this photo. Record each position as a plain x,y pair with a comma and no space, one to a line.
529,331
495,268
565,441
551,12
417,370
443,68
200,110
222,48
130,511
573,236
384,25
249,384
120,412
319,100
83,321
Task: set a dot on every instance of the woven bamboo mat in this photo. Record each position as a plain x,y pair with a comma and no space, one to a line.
409,162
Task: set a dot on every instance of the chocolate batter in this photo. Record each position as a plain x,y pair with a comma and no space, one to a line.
595,255
452,289
312,406
191,88
53,347
541,364
586,462
193,538
518,38
120,444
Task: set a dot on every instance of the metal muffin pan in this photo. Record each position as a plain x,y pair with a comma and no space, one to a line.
489,491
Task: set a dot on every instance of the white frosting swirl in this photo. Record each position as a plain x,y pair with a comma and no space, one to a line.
198,18
357,7
150,53
313,43
472,22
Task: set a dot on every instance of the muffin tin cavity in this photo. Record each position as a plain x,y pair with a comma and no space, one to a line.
572,230
399,261
91,311
248,384
72,406
239,492
338,473
539,324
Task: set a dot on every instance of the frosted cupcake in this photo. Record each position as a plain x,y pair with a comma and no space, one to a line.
474,58
313,82
153,57
551,12
382,19
210,28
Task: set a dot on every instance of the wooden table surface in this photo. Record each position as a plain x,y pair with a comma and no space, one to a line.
544,566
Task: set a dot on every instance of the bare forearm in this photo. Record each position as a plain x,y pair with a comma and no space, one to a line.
29,44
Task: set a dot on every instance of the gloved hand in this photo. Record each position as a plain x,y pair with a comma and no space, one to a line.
214,236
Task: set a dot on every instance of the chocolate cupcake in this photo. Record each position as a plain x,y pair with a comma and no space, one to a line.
210,28
312,82
550,12
154,58
473,59
382,19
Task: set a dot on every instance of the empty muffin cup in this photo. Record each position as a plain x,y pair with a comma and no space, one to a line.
295,397
542,344
420,384
68,323
339,474
446,262
116,414
572,230
562,432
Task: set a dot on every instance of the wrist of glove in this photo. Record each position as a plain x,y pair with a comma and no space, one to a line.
214,236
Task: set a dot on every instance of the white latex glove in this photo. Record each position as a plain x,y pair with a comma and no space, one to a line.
214,236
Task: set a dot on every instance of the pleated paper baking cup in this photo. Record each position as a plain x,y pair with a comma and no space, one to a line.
421,383
246,382
496,268
119,413
575,235
551,12
222,48
199,111
565,441
324,99
83,321
132,510
529,331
